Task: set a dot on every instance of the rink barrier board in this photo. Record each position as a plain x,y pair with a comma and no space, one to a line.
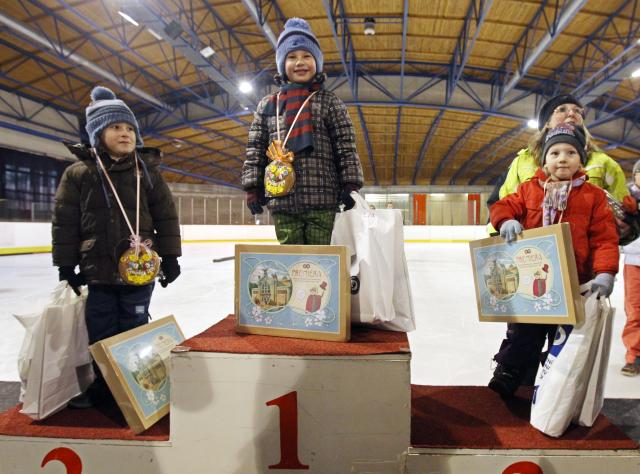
47,249
35,237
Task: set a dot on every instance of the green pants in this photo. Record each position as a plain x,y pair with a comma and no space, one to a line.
310,228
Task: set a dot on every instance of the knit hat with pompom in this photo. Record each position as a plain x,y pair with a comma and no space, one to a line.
105,109
297,35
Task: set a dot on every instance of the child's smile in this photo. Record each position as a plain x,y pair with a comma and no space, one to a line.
300,66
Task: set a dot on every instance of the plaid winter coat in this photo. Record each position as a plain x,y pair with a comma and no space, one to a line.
322,172
88,228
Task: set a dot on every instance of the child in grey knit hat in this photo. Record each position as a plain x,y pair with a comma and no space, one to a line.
302,195
90,231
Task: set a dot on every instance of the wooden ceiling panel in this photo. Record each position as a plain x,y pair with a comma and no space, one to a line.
433,28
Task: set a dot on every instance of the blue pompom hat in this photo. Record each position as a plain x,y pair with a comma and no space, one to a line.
104,110
297,35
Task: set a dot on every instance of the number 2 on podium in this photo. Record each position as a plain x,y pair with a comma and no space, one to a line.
288,405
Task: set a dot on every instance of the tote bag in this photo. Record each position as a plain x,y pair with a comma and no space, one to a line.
56,362
380,286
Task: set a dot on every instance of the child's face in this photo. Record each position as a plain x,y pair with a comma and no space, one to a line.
300,66
119,139
636,179
562,161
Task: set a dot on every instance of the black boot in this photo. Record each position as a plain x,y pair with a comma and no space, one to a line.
81,401
505,380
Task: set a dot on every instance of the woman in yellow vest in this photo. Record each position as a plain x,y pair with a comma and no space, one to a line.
602,170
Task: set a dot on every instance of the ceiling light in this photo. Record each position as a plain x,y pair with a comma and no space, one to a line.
245,87
207,52
245,107
128,18
636,73
154,34
369,26
532,123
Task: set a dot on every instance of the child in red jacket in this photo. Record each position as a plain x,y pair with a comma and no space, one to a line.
558,192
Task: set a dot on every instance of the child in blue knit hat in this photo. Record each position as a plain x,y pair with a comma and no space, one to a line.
113,176
301,152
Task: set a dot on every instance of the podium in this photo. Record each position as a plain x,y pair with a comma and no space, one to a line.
245,404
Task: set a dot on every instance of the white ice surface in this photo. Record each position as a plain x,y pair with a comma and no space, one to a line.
449,347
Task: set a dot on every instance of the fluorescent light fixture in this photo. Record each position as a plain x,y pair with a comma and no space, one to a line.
636,73
532,123
207,52
438,194
128,18
154,34
245,87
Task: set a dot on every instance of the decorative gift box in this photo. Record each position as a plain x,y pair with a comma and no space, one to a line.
135,365
293,291
531,280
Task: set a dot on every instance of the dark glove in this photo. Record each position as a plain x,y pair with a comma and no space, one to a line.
345,196
255,201
74,280
170,269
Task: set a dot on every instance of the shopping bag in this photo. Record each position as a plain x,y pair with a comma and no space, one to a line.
587,412
59,365
560,384
380,287
29,323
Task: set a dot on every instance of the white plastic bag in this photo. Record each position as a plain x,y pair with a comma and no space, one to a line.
561,382
380,288
587,412
29,323
58,363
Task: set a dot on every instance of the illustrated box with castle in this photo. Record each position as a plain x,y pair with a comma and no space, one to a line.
293,291
531,280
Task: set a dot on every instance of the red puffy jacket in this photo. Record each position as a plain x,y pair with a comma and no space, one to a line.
593,229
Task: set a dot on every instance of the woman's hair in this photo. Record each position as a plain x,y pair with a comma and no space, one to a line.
281,79
536,143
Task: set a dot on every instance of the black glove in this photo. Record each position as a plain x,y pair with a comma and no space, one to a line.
345,196
170,269
255,201
75,280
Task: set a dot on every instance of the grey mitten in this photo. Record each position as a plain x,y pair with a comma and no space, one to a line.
602,284
510,229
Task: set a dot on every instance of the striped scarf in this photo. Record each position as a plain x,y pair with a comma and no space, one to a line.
556,198
291,98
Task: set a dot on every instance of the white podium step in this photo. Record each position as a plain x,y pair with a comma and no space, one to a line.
470,429
244,404
254,404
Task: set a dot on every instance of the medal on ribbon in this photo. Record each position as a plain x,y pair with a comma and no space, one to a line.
279,175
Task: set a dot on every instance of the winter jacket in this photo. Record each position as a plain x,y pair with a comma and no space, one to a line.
88,228
631,251
603,171
593,229
322,172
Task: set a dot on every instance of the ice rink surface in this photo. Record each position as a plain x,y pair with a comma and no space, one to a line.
449,346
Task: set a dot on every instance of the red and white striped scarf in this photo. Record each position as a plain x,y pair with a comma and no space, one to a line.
292,96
